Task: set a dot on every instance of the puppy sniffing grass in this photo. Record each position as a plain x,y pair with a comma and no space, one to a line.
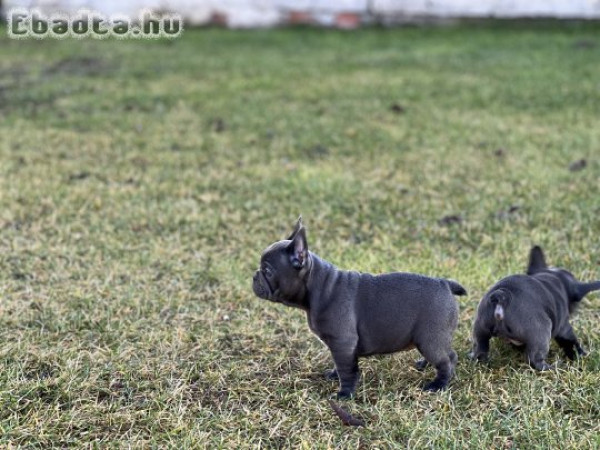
530,310
359,314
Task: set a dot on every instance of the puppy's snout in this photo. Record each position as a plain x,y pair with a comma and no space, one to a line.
499,312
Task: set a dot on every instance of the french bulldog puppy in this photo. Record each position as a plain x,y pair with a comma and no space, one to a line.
529,310
359,314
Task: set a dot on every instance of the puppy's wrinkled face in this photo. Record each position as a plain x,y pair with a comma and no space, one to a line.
283,270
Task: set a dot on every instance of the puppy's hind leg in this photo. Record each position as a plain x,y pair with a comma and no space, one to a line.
421,364
567,340
441,359
444,374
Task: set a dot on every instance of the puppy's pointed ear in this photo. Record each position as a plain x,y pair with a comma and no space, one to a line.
299,249
296,228
537,261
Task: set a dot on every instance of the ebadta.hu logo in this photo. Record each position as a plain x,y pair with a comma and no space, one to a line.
23,23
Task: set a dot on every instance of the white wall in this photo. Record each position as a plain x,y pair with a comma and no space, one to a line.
491,8
260,13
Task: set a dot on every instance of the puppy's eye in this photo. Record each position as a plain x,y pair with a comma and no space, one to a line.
268,272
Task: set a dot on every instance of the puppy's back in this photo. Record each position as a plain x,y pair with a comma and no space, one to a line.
397,310
406,298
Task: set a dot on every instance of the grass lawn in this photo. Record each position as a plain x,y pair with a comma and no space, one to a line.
140,181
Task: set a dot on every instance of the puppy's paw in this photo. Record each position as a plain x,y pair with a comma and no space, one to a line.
332,375
478,356
435,386
544,366
421,364
344,395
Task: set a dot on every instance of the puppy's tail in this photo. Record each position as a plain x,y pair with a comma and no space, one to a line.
585,288
499,298
456,288
581,290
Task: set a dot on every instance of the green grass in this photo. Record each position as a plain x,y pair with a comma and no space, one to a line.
140,181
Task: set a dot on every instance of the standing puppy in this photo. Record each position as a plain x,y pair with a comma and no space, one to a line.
530,310
357,314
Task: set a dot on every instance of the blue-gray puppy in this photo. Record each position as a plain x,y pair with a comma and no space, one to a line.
530,310
358,314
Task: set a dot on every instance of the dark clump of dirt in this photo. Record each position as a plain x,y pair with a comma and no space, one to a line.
499,152
79,65
79,176
211,398
218,125
578,165
40,370
584,44
505,214
18,275
317,151
452,219
18,86
12,81
397,108
11,75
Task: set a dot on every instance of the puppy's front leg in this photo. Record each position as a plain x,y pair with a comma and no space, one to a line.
332,374
537,344
481,343
567,340
536,355
346,366
421,364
